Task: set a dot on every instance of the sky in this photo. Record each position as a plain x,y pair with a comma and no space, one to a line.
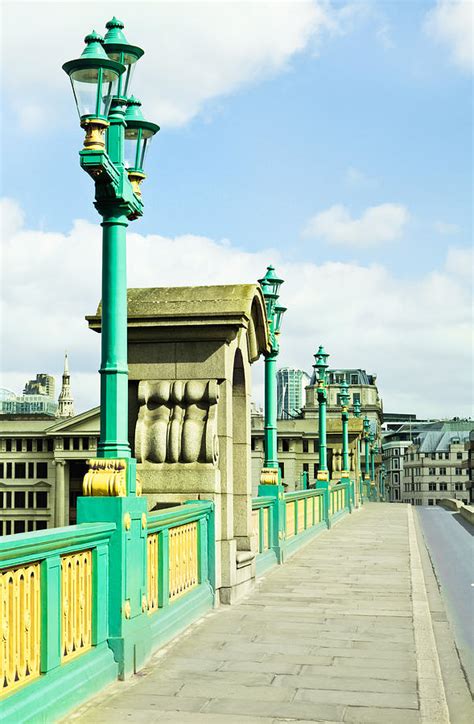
332,139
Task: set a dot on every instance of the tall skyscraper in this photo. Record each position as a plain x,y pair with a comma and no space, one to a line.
291,384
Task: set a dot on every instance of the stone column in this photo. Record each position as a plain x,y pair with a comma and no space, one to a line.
60,494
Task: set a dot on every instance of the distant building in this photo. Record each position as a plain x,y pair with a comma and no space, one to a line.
42,466
298,437
436,465
291,385
43,385
29,404
65,401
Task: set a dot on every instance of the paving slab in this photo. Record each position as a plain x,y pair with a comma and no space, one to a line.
329,636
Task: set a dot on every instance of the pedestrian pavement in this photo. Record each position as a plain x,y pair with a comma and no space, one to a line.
341,633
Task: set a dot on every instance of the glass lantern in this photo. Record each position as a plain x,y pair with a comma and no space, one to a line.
94,78
119,49
138,135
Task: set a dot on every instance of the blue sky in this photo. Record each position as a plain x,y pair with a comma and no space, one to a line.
370,107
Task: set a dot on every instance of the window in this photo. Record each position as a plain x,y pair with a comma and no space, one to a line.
20,470
19,499
355,396
305,446
432,486
85,443
459,456
41,470
459,486
66,443
396,477
396,451
306,468
430,501
440,456
432,471
75,443
50,445
395,464
252,443
443,486
8,471
315,469
42,497
433,456
8,444
19,526
41,524
458,471
1,470
31,470
442,471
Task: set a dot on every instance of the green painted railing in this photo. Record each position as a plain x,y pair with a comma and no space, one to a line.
53,602
57,646
180,567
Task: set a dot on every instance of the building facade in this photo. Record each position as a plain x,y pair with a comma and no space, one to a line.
291,384
436,465
42,465
298,438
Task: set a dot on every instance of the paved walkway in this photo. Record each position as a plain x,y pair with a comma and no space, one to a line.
342,632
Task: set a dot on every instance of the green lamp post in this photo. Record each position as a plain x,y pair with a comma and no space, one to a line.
270,285
112,120
366,428
357,413
383,472
373,452
345,399
320,367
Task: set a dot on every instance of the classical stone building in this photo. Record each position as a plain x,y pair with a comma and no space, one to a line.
42,465
436,465
298,441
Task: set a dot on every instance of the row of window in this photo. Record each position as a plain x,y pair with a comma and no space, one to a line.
23,499
433,456
43,445
432,487
435,471
8,527
23,471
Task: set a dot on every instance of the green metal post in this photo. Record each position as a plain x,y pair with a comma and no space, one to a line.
113,370
321,366
270,429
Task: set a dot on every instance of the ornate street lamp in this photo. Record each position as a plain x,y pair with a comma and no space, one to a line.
270,285
345,399
320,366
366,428
101,80
383,472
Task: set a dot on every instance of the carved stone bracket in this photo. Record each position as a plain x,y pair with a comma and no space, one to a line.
177,422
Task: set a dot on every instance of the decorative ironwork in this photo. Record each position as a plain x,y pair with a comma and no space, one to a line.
20,618
152,572
76,604
183,559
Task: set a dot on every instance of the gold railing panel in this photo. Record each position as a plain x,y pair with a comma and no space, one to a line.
290,519
183,559
310,512
76,604
20,616
152,572
300,513
266,513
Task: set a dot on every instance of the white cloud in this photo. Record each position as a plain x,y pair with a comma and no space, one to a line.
450,22
377,225
460,262
406,330
194,51
357,179
444,228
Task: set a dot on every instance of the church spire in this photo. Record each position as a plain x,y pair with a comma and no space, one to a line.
65,400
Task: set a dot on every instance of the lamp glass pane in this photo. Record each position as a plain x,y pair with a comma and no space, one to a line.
130,147
84,85
144,150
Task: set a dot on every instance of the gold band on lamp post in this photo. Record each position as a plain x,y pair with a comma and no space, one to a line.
106,477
